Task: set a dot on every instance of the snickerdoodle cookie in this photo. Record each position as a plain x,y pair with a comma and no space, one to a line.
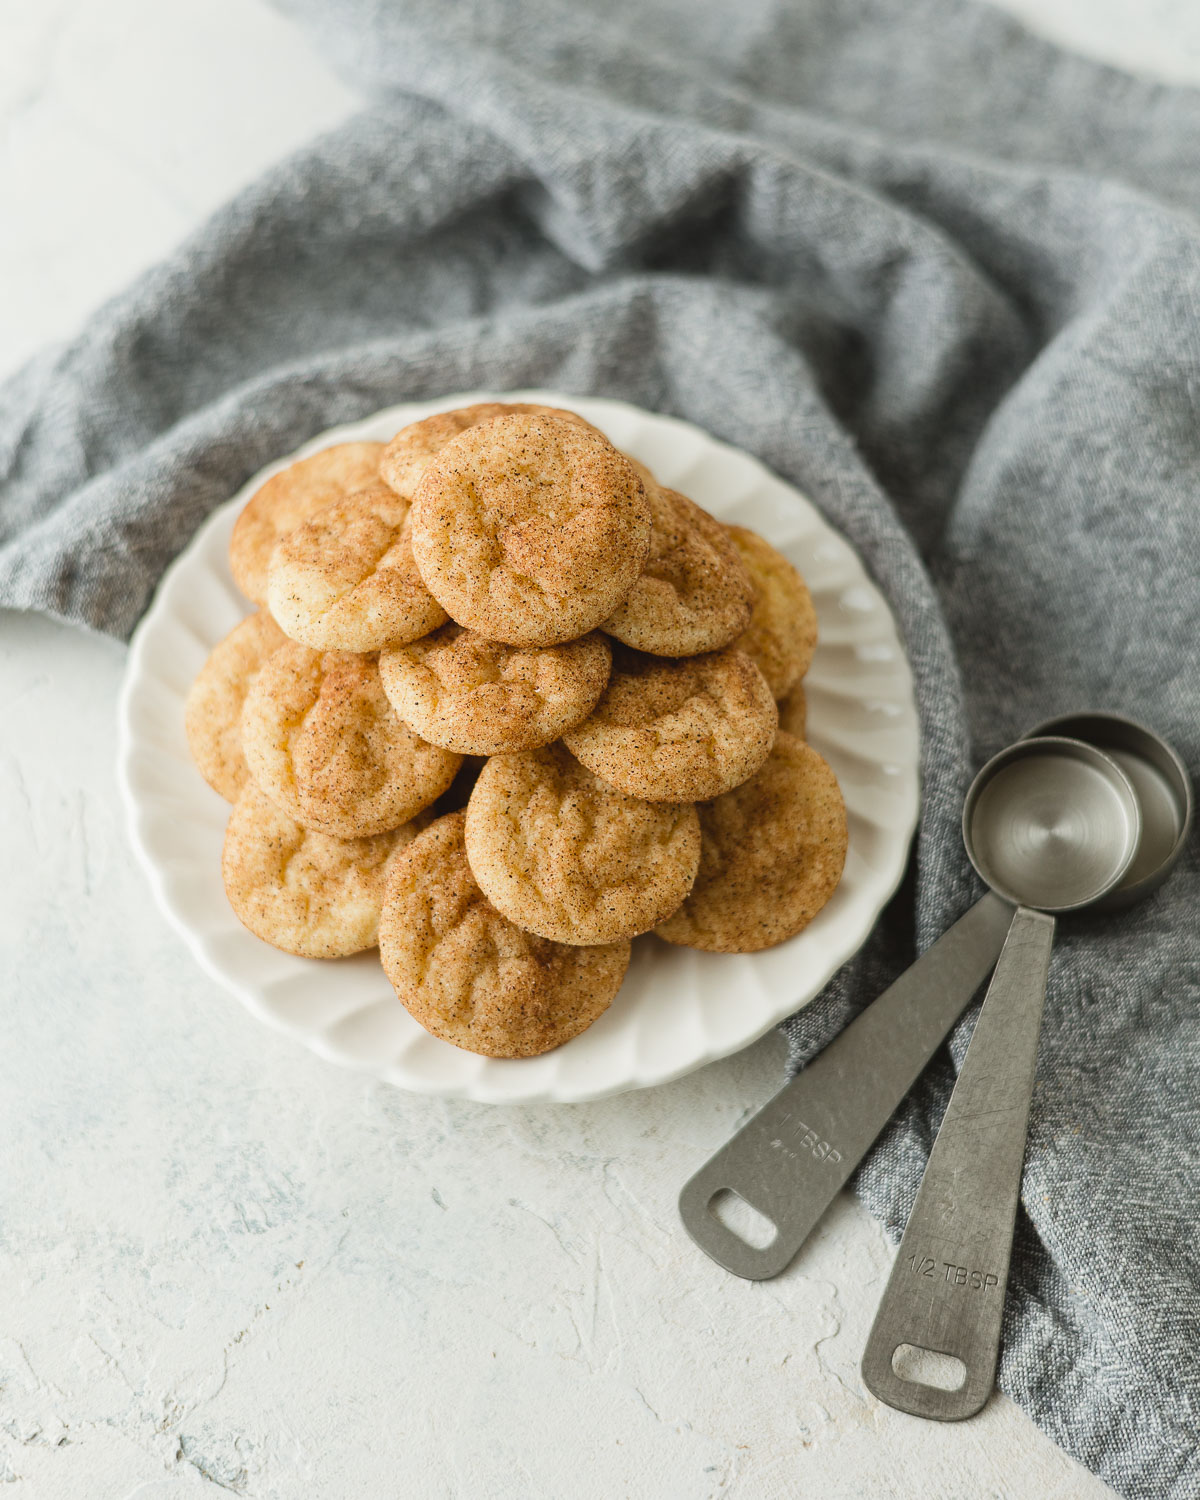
468,974
480,697
408,454
213,712
564,855
303,891
530,529
772,855
694,593
324,743
782,633
678,731
287,500
346,579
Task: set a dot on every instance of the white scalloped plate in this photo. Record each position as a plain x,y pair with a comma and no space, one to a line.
678,1008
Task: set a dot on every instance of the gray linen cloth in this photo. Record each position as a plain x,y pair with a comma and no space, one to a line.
944,278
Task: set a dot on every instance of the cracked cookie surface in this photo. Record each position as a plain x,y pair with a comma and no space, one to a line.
299,890
472,977
694,593
772,853
213,711
678,731
324,743
782,634
530,529
346,579
570,858
287,500
480,697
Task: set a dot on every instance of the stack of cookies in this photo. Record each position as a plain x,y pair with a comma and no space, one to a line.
508,703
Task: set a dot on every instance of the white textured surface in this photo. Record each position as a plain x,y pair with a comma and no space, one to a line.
225,1258
677,1008
228,1267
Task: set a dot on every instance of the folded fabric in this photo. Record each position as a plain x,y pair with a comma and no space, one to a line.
940,276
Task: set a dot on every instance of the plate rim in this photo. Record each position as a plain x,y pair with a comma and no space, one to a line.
474,1087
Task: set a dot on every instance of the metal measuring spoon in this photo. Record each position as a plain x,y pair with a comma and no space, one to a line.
1053,825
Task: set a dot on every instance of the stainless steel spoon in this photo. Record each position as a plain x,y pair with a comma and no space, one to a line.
1053,825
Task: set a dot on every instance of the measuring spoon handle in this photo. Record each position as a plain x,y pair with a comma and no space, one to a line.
946,1290
791,1158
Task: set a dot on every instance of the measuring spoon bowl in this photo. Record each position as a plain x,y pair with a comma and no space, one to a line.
1052,823
1161,782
